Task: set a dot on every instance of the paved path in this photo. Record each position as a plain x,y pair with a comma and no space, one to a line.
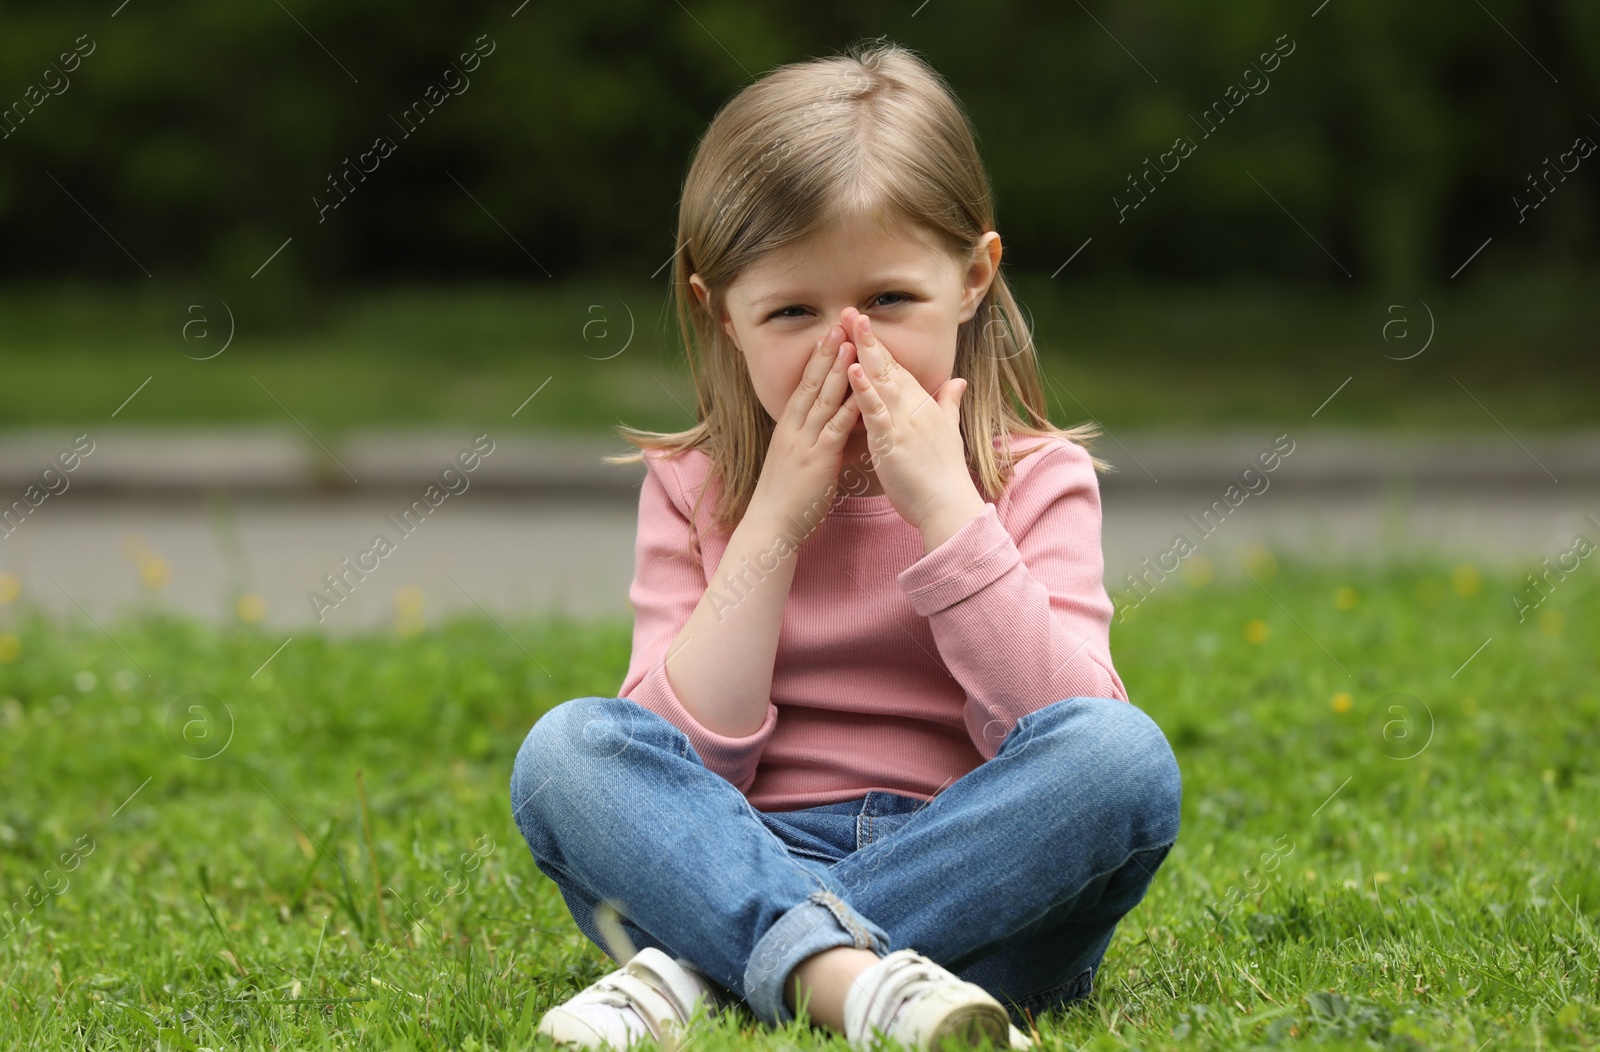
189,521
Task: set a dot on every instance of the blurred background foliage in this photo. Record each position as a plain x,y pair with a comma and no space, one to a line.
1391,141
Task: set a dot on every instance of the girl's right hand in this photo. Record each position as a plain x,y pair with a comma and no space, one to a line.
801,473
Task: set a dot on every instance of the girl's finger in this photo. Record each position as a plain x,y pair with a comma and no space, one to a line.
872,354
843,421
868,396
866,340
835,386
822,359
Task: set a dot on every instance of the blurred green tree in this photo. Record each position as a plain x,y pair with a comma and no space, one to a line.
198,135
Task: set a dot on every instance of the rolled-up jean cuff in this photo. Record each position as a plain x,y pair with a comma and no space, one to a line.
821,922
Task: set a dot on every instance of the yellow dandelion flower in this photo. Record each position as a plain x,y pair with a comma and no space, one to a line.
154,571
1198,571
408,600
1341,703
1256,631
250,608
408,611
1466,580
1258,560
1344,598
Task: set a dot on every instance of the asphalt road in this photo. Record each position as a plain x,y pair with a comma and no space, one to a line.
551,532
528,555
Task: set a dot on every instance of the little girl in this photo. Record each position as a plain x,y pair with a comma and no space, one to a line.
871,761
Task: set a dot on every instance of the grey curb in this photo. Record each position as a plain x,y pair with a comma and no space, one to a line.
140,461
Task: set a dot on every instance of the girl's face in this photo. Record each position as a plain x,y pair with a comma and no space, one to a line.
913,292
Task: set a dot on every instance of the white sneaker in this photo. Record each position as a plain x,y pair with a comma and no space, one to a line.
641,1000
909,998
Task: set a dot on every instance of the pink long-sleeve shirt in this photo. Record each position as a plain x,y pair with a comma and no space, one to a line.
896,669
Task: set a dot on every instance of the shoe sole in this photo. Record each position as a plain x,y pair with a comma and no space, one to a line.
565,1028
961,1021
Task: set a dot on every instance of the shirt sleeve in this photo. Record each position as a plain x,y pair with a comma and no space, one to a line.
668,581
1019,610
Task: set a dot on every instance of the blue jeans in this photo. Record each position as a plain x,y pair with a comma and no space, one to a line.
1013,877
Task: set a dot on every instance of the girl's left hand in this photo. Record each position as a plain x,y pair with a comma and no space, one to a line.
914,437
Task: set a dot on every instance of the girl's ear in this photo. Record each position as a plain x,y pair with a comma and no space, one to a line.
703,295
980,273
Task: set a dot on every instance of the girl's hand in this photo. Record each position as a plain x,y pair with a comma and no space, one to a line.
801,473
919,456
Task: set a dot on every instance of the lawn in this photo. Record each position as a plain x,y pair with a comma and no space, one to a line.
1390,828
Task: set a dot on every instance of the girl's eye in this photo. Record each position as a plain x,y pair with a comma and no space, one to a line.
782,312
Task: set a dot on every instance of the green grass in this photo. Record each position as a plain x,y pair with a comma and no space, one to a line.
1322,893
1135,356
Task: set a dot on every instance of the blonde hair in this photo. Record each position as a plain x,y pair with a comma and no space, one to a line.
875,135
